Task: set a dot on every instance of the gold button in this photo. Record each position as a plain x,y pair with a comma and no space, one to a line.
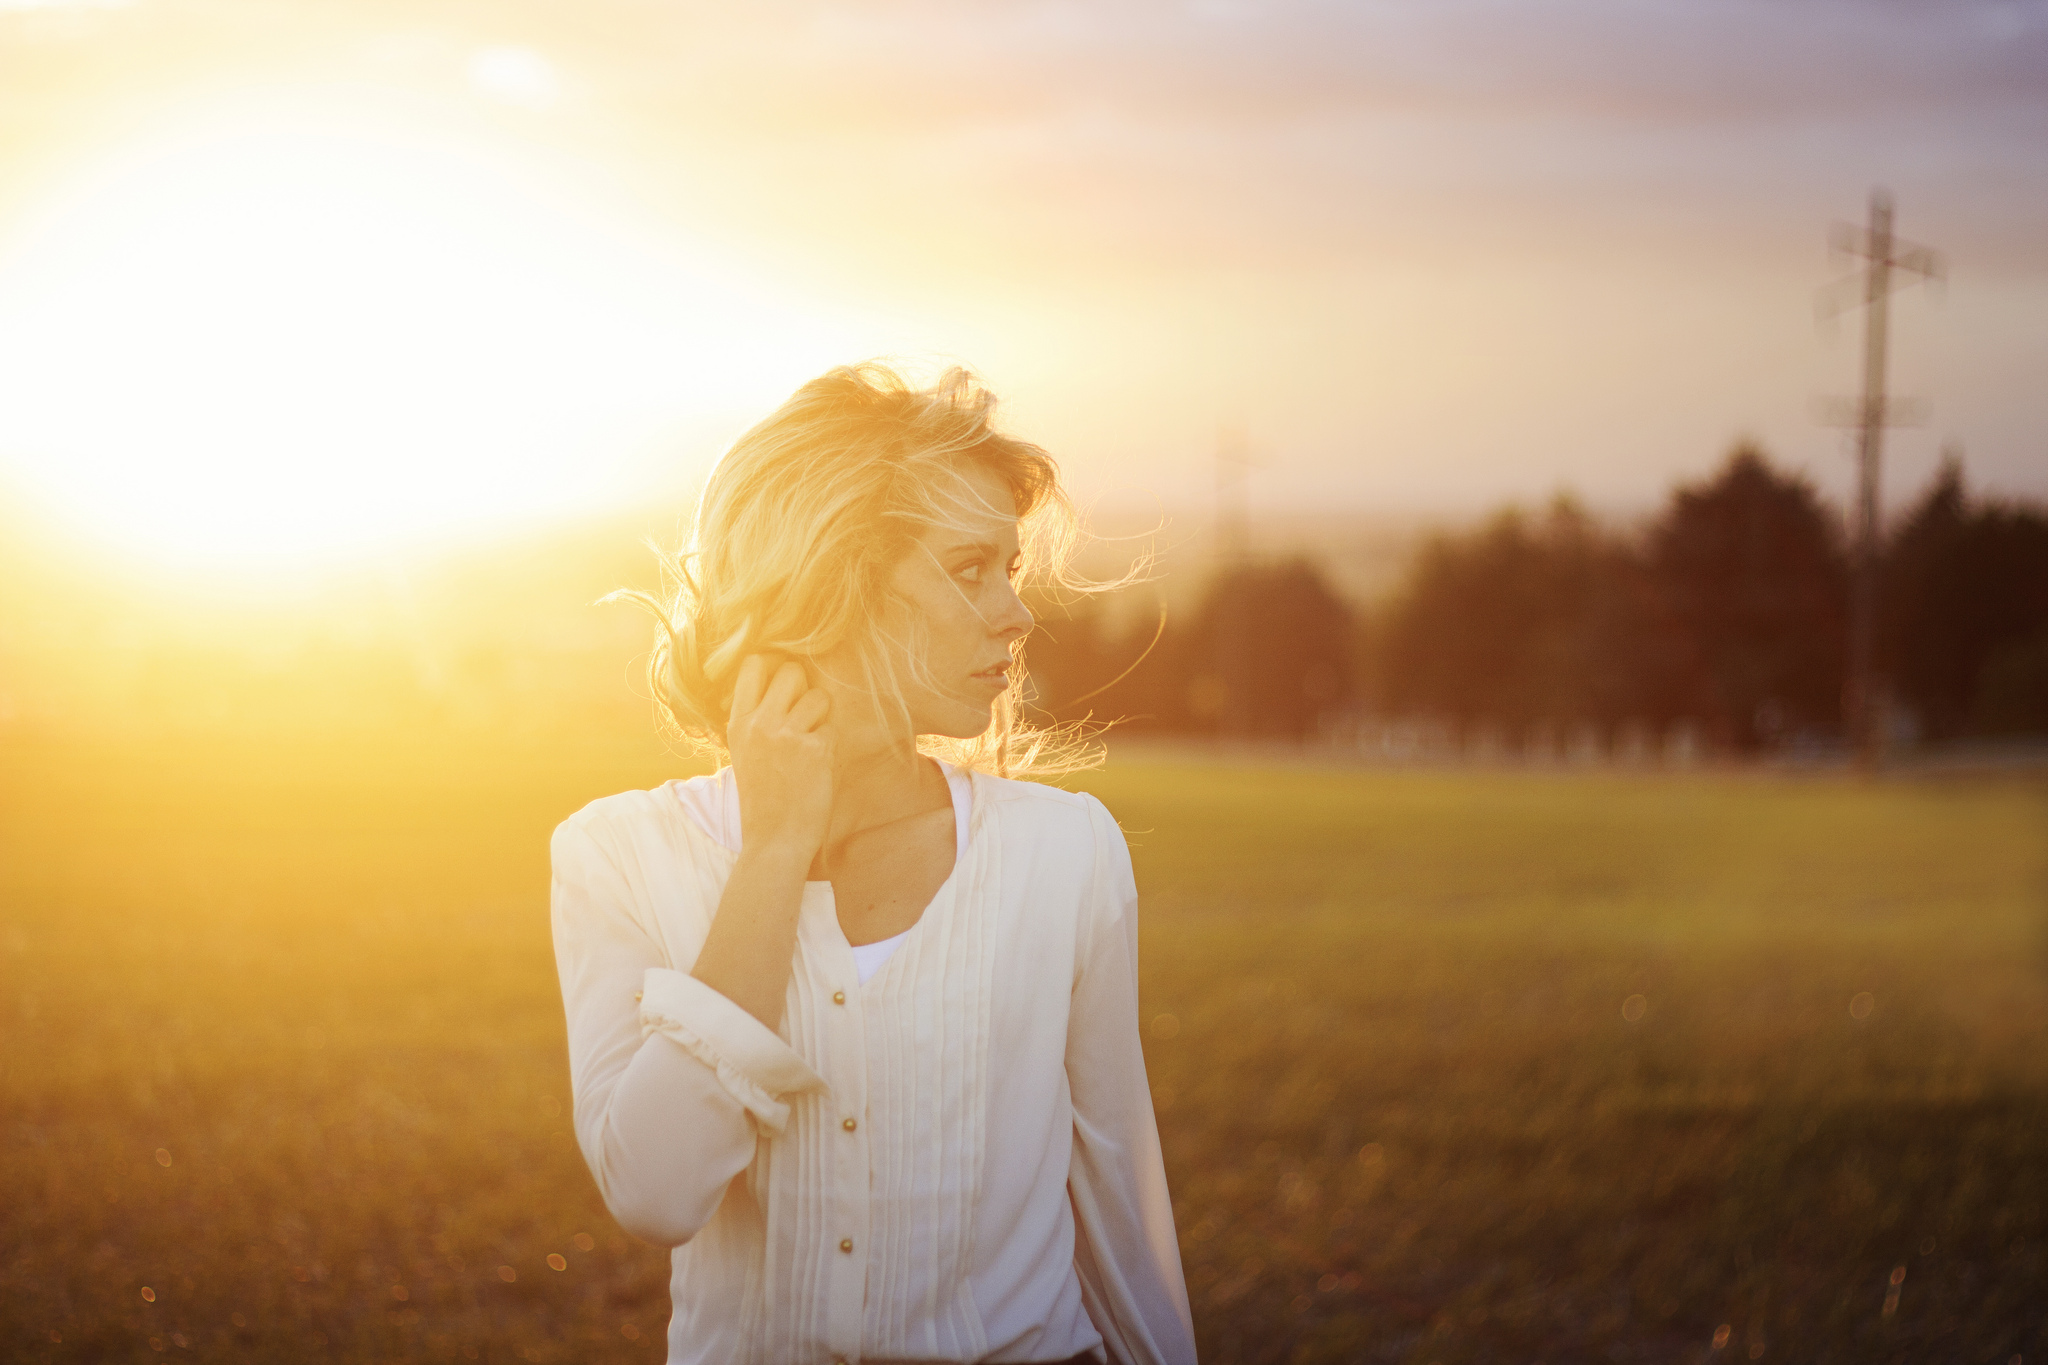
637,995
848,1124
839,997
846,1244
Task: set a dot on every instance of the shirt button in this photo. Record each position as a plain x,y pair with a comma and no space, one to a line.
846,1244
839,997
638,995
848,1124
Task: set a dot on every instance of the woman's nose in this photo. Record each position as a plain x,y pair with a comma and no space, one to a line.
1012,617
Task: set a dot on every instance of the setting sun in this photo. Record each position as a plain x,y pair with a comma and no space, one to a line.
281,334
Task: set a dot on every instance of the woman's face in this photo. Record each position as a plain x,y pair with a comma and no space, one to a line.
959,585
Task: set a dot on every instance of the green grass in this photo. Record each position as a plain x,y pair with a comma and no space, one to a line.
1437,965
1404,1114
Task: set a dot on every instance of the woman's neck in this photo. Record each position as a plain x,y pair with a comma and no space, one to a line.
880,781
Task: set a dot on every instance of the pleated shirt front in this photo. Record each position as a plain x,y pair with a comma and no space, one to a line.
956,1161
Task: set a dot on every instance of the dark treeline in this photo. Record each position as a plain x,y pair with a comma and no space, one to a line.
1724,618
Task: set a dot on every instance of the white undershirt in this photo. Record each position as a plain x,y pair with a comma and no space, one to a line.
713,802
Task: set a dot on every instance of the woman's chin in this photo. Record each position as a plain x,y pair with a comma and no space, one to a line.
957,720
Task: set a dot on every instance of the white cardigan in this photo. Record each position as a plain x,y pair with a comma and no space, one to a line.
954,1162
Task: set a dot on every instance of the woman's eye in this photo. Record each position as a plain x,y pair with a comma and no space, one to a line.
976,570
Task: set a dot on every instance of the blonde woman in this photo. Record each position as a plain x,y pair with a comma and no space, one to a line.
853,1023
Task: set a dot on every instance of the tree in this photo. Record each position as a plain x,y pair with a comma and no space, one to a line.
1521,622
1749,570
1083,666
1965,631
1269,651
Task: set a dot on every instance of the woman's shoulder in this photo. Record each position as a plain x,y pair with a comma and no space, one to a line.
626,807
621,819
1041,804
1067,838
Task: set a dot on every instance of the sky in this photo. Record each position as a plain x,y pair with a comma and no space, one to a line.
278,279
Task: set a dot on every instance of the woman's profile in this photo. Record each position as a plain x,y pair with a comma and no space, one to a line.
853,1022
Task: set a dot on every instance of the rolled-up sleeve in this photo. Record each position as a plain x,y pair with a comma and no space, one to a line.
670,1078
755,1066
1125,1252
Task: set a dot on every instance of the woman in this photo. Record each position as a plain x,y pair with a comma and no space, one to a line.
853,1022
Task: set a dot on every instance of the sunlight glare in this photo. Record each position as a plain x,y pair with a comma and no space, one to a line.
517,75
282,337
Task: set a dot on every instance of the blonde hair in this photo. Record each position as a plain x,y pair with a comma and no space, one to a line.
800,526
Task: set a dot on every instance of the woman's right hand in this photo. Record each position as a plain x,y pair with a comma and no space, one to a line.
781,751
782,759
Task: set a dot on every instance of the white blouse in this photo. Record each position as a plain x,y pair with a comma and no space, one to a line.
956,1161
713,802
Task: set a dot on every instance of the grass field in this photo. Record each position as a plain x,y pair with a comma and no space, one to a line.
1451,1067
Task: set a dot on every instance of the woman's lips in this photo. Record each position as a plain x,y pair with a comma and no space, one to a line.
997,677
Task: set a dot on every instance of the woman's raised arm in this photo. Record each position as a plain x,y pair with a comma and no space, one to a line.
668,1067
782,760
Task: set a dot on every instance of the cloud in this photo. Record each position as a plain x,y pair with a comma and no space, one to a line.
1743,61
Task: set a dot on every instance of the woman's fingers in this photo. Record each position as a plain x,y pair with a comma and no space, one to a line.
783,690
757,687
810,710
746,689
781,753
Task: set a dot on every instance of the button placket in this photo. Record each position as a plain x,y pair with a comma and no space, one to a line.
846,1156
849,1167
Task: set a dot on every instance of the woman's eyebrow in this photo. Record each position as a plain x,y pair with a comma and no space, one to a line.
987,547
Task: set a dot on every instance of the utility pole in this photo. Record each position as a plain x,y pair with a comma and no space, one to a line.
1891,262
1233,552
1233,513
